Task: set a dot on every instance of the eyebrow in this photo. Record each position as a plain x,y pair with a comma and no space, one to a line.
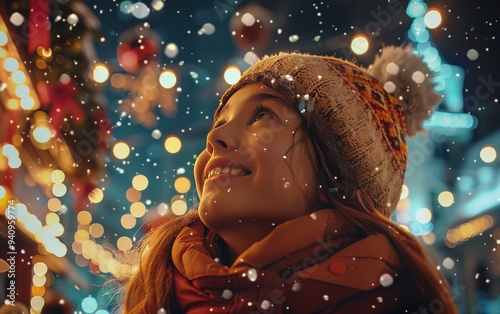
258,97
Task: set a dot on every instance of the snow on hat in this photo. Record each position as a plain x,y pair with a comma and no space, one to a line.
359,117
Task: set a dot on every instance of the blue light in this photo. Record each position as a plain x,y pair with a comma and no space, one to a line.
89,304
451,120
422,36
416,8
454,83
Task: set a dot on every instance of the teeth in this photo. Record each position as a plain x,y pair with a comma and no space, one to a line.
225,170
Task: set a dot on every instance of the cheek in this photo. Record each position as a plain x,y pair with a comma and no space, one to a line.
199,169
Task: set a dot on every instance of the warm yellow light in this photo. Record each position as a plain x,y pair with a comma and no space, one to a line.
140,182
128,221
40,268
57,176
405,191
138,209
124,243
179,207
488,154
59,189
432,18
96,230
54,204
96,195
39,280
37,302
359,44
51,218
121,150
232,74
173,144
81,236
13,104
446,198
168,79
133,195
84,217
182,185
101,73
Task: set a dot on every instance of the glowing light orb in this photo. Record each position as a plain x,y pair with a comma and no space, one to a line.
360,45
173,144
182,185
488,154
232,74
446,199
167,79
432,19
121,150
101,73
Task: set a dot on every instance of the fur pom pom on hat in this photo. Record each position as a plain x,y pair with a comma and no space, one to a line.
359,118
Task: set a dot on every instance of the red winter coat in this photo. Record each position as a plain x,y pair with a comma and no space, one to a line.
313,264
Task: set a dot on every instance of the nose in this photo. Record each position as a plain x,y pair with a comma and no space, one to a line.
222,138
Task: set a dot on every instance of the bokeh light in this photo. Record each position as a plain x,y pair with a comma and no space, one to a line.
41,134
140,182
360,44
423,215
138,209
133,195
84,217
40,268
124,243
168,79
101,73
446,198
89,304
57,176
173,144
54,204
96,195
37,302
96,230
405,191
128,221
182,185
59,189
179,207
121,150
488,154
432,18
232,74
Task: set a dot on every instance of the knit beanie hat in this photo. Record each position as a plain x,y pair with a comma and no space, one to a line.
359,117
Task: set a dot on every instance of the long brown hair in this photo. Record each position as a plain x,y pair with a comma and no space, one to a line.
149,288
359,209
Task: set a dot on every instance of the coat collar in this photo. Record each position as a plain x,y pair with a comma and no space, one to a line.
321,234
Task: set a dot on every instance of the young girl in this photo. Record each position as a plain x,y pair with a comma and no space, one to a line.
303,168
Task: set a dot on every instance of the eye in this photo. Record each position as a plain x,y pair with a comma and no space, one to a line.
261,112
218,123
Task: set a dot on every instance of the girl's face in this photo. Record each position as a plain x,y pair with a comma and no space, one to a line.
256,167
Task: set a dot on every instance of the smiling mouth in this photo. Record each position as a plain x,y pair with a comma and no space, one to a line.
227,170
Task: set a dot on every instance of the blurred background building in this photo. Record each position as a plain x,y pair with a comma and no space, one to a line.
104,106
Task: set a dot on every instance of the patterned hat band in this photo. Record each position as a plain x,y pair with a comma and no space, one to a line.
359,125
